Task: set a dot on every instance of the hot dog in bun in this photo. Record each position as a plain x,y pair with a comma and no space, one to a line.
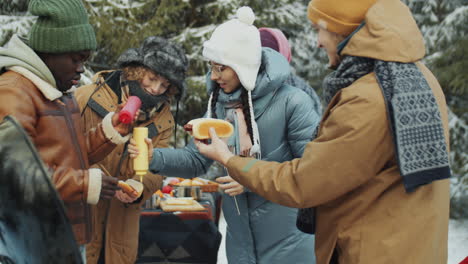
199,128
129,186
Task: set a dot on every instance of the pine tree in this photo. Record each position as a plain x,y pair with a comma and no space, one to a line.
190,23
9,7
14,19
444,29
122,24
449,66
291,18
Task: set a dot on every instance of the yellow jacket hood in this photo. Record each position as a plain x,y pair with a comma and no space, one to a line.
390,33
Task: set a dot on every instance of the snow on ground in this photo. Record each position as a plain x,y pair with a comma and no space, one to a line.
457,245
222,248
458,241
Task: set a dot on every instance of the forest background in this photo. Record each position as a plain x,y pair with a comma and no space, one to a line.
121,24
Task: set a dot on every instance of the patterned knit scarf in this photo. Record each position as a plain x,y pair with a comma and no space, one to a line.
414,117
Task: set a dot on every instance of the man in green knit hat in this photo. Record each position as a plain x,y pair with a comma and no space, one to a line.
35,77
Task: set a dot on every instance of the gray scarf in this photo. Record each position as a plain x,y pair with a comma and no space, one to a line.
414,116
413,112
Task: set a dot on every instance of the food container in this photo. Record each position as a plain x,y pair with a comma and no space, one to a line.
188,191
152,202
206,186
210,187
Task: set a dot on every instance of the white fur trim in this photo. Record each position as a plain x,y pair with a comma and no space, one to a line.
110,131
94,185
208,115
46,88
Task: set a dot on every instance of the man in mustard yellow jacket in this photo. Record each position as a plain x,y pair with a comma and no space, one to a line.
377,169
154,72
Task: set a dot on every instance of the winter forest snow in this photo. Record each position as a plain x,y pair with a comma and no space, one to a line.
121,24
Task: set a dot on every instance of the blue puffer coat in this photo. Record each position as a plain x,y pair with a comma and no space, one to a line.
300,83
264,232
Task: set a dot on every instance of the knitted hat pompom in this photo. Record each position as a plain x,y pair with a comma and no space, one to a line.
246,15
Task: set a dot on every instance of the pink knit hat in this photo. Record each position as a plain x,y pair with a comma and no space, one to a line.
275,39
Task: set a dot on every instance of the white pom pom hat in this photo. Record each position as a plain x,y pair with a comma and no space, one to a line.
236,43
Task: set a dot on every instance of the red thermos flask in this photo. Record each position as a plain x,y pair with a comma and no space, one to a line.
128,112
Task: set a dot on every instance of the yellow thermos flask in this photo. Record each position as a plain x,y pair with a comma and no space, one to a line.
140,163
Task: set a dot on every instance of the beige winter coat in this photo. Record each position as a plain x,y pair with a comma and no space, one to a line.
118,222
349,171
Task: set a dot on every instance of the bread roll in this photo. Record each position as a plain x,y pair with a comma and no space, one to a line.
138,186
180,201
186,182
200,128
130,185
196,182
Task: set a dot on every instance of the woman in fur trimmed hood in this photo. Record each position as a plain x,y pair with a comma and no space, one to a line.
154,72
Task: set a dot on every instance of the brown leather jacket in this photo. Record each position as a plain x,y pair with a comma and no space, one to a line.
55,129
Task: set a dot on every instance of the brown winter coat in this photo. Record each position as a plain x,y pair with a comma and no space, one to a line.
54,127
349,172
114,220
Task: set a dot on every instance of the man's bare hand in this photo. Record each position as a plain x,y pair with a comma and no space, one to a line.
123,129
125,198
133,149
217,150
230,186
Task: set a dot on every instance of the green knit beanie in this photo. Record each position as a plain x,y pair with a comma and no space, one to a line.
62,26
